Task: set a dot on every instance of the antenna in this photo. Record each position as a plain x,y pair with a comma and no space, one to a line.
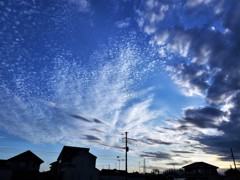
119,162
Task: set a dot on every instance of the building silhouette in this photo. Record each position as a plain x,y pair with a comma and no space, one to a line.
201,171
75,163
22,166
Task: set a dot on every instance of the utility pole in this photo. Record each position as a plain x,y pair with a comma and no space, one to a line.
126,148
233,159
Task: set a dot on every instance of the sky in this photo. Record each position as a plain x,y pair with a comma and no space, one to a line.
84,72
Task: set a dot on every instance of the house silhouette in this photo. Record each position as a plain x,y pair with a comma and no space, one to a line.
201,171
75,163
26,161
22,166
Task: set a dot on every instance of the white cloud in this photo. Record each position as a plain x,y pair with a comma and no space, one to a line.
155,13
187,88
180,45
151,4
155,17
103,92
82,5
149,29
203,56
193,3
138,114
123,23
211,132
218,8
162,38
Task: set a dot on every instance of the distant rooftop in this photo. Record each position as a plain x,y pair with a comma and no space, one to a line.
199,165
71,151
26,155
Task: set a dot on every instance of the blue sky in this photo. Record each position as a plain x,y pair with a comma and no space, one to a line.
82,72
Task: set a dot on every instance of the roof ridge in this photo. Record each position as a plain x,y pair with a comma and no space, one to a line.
25,153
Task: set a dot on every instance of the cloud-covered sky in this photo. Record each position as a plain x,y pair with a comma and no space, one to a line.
83,72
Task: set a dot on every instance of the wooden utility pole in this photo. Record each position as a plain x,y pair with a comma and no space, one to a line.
233,159
126,148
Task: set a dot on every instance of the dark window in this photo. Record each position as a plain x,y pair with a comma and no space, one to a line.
22,164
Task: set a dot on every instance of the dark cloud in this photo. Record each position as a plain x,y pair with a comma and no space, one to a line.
233,12
92,138
178,163
163,130
221,146
156,141
231,135
150,141
97,130
131,139
206,40
224,83
190,73
183,152
119,147
80,118
98,121
235,113
203,117
86,119
156,155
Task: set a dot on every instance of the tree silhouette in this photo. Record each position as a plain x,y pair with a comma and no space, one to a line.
155,171
232,172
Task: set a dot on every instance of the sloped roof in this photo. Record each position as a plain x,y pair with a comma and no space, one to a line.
71,151
27,155
200,165
53,163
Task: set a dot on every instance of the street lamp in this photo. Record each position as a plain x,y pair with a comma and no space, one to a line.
119,160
